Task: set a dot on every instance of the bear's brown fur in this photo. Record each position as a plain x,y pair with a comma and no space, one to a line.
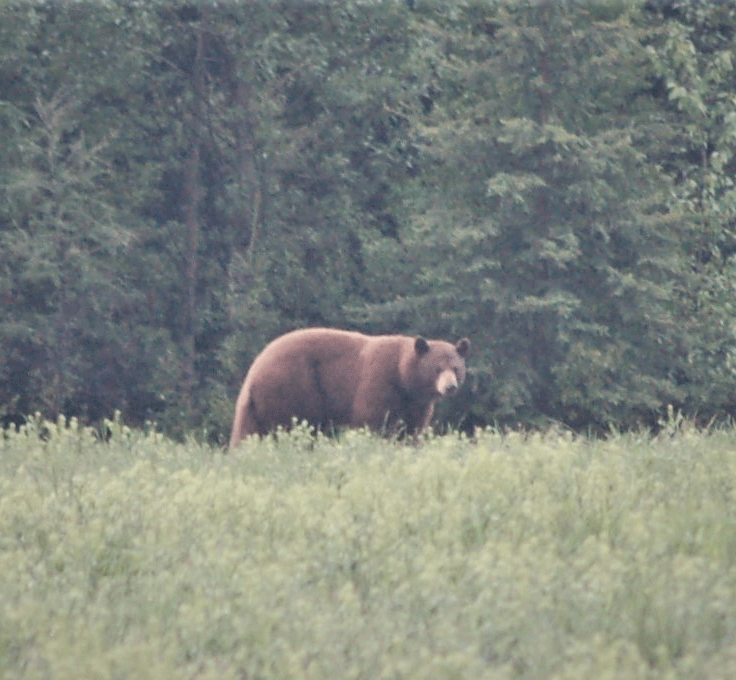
332,378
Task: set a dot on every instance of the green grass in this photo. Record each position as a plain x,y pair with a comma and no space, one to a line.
541,556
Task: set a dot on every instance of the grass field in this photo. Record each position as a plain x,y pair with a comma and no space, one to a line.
514,556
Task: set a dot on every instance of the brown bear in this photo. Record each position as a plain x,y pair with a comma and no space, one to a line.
332,378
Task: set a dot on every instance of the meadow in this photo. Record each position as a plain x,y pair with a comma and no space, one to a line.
508,556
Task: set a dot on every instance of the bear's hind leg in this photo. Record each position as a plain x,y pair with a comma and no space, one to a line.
245,422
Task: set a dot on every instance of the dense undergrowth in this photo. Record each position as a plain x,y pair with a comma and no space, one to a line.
509,556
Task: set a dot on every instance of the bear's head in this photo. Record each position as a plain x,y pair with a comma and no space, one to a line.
439,367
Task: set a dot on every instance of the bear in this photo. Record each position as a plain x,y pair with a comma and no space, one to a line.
333,378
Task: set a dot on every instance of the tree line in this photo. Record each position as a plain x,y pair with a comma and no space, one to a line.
182,182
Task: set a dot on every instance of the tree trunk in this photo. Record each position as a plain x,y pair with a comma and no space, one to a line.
192,197
248,170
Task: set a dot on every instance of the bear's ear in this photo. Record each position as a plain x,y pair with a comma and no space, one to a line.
463,347
421,346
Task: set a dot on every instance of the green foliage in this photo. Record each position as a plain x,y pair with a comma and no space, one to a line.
549,233
62,251
183,181
691,56
71,334
508,556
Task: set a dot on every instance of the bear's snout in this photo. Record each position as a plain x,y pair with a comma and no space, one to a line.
446,383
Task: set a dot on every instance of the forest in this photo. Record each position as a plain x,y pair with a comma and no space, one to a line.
183,181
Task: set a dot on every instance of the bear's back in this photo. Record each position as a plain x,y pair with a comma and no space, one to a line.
313,343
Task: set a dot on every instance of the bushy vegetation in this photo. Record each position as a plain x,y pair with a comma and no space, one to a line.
508,556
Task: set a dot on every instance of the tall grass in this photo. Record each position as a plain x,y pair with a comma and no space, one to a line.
513,556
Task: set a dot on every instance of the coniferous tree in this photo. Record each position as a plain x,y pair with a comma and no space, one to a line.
548,237
66,225
691,47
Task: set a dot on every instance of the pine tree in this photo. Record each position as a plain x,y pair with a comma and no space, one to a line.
542,231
